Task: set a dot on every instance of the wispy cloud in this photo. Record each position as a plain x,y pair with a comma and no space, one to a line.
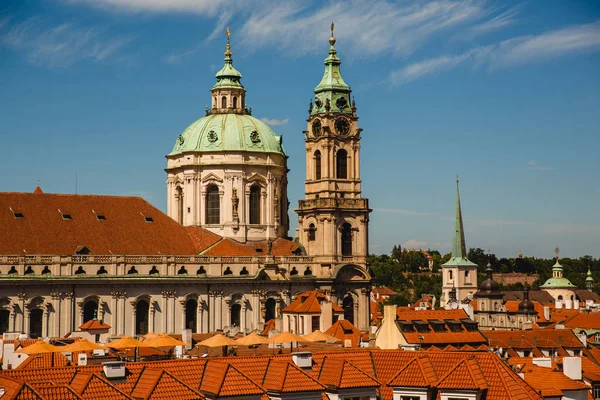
275,122
203,7
511,52
392,27
499,21
402,211
535,166
572,229
59,45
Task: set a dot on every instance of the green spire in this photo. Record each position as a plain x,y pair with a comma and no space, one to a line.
459,247
589,281
228,77
332,94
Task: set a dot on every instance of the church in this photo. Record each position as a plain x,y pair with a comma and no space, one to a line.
220,258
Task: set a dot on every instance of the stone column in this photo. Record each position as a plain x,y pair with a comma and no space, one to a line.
115,313
21,296
152,316
46,322
220,307
165,306
124,312
183,314
133,317
211,311
243,317
201,214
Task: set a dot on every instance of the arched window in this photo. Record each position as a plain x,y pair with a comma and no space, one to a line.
311,232
234,102
141,317
317,164
341,164
223,102
270,309
466,274
90,311
213,206
346,239
191,313
180,205
4,318
35,323
348,306
235,314
450,275
255,205
495,306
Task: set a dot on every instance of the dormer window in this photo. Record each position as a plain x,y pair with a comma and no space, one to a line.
100,217
66,216
148,219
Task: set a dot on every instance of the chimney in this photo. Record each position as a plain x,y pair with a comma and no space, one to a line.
547,313
302,359
114,369
542,362
326,315
572,367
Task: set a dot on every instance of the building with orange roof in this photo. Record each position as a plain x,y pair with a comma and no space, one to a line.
364,374
310,311
421,329
220,258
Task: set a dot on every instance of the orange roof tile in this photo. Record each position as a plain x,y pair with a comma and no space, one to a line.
57,392
550,382
44,360
94,324
584,320
160,384
230,247
222,379
527,339
284,376
444,338
383,291
343,330
118,233
424,315
93,386
465,375
339,373
417,373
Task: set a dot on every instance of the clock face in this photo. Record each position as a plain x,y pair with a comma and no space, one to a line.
342,126
341,103
316,128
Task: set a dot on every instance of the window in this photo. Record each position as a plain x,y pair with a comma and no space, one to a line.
255,205
342,164
191,312
467,275
235,314
270,305
346,239
18,215
596,391
317,164
223,102
450,275
213,207
348,306
141,317
311,232
90,311
410,398
148,219
180,204
234,102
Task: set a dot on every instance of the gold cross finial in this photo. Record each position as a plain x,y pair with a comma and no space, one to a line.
456,178
227,32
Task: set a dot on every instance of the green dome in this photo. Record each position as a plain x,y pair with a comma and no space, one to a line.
228,132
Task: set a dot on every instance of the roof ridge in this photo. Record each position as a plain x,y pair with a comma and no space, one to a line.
212,245
359,370
106,382
473,364
153,380
165,372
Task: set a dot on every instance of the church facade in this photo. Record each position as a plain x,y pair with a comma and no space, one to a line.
219,259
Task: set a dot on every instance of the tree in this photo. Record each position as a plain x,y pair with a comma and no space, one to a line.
396,253
414,260
478,256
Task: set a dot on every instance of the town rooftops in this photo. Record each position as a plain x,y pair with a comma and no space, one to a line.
253,377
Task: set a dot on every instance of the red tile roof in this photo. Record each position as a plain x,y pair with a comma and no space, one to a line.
417,373
283,376
343,330
465,375
123,231
221,379
383,291
229,247
585,320
160,384
424,315
549,381
527,339
310,303
342,374
94,324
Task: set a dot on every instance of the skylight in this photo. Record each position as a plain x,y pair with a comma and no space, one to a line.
148,219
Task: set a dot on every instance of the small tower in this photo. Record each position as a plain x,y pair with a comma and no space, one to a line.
589,280
458,272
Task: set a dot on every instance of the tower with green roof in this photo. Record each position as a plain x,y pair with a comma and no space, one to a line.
458,273
334,217
560,287
227,171
589,280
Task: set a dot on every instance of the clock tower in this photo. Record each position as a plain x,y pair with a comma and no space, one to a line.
334,218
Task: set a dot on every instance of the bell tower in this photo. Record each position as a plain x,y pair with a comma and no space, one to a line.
333,218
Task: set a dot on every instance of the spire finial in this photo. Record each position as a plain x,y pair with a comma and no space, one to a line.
228,46
556,251
457,179
332,38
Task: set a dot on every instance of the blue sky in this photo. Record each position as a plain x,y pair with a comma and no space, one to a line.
504,94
